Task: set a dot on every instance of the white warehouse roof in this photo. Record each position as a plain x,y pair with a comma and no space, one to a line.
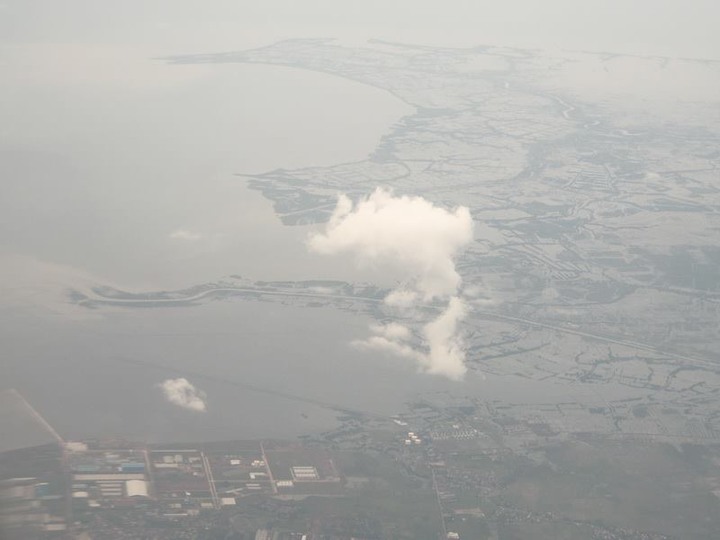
136,488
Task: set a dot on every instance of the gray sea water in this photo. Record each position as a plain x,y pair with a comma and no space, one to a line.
126,175
130,179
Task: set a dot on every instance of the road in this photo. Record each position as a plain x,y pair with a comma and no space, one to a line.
211,481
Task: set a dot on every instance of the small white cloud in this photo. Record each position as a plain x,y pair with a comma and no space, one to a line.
182,393
392,330
389,346
182,234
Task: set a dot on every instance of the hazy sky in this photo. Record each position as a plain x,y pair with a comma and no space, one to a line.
664,27
118,168
88,114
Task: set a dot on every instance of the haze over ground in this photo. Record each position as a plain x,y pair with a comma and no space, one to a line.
119,166
437,246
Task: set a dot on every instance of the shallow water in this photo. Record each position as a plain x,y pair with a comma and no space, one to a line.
132,178
269,370
122,170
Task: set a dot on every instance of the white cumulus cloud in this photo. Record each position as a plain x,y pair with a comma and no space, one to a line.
421,240
405,232
446,355
184,394
443,353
